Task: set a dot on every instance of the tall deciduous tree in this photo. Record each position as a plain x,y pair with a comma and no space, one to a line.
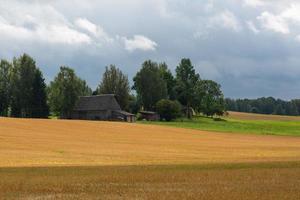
28,89
211,100
64,92
83,88
186,79
22,78
149,85
39,98
115,82
5,67
169,79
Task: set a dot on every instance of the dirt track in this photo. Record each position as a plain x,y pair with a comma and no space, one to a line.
26,142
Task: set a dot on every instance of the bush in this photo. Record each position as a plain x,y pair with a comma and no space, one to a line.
168,109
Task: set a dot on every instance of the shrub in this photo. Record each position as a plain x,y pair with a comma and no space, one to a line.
168,109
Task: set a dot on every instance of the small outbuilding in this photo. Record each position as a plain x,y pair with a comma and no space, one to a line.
121,115
100,107
149,116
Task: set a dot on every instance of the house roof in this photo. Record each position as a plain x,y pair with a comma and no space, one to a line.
148,112
98,102
123,113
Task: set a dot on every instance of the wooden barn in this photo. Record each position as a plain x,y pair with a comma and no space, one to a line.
149,116
100,107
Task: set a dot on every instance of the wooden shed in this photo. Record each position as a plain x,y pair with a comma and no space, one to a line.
149,116
121,115
100,107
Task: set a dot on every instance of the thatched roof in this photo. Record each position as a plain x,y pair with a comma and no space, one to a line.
99,102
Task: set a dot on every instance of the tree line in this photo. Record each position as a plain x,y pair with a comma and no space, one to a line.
24,93
264,105
22,89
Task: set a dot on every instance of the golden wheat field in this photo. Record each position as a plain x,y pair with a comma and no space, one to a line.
60,142
252,116
61,159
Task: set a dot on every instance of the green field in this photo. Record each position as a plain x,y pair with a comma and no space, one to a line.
232,125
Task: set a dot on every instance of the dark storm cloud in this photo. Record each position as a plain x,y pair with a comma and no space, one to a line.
251,47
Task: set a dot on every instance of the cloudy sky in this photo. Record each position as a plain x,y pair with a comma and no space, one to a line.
251,47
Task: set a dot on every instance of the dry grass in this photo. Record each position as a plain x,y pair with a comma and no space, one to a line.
106,160
252,116
25,142
247,181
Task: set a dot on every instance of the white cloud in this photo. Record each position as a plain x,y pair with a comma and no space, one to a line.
43,23
61,34
38,23
96,30
226,19
52,33
292,13
254,3
8,30
252,27
273,22
283,18
139,42
271,5
86,25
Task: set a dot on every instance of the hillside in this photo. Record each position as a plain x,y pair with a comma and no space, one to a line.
61,159
26,142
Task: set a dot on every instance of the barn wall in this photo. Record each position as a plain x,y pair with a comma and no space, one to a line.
99,115
93,115
102,115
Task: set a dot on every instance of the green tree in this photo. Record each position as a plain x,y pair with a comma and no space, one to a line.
134,104
279,110
22,77
83,88
265,105
64,92
296,102
231,104
39,100
169,79
5,67
149,85
186,79
168,109
115,82
28,89
292,109
211,100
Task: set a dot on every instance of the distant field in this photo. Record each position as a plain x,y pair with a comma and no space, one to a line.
242,123
252,116
61,159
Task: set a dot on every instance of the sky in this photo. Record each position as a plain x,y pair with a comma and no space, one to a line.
250,47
